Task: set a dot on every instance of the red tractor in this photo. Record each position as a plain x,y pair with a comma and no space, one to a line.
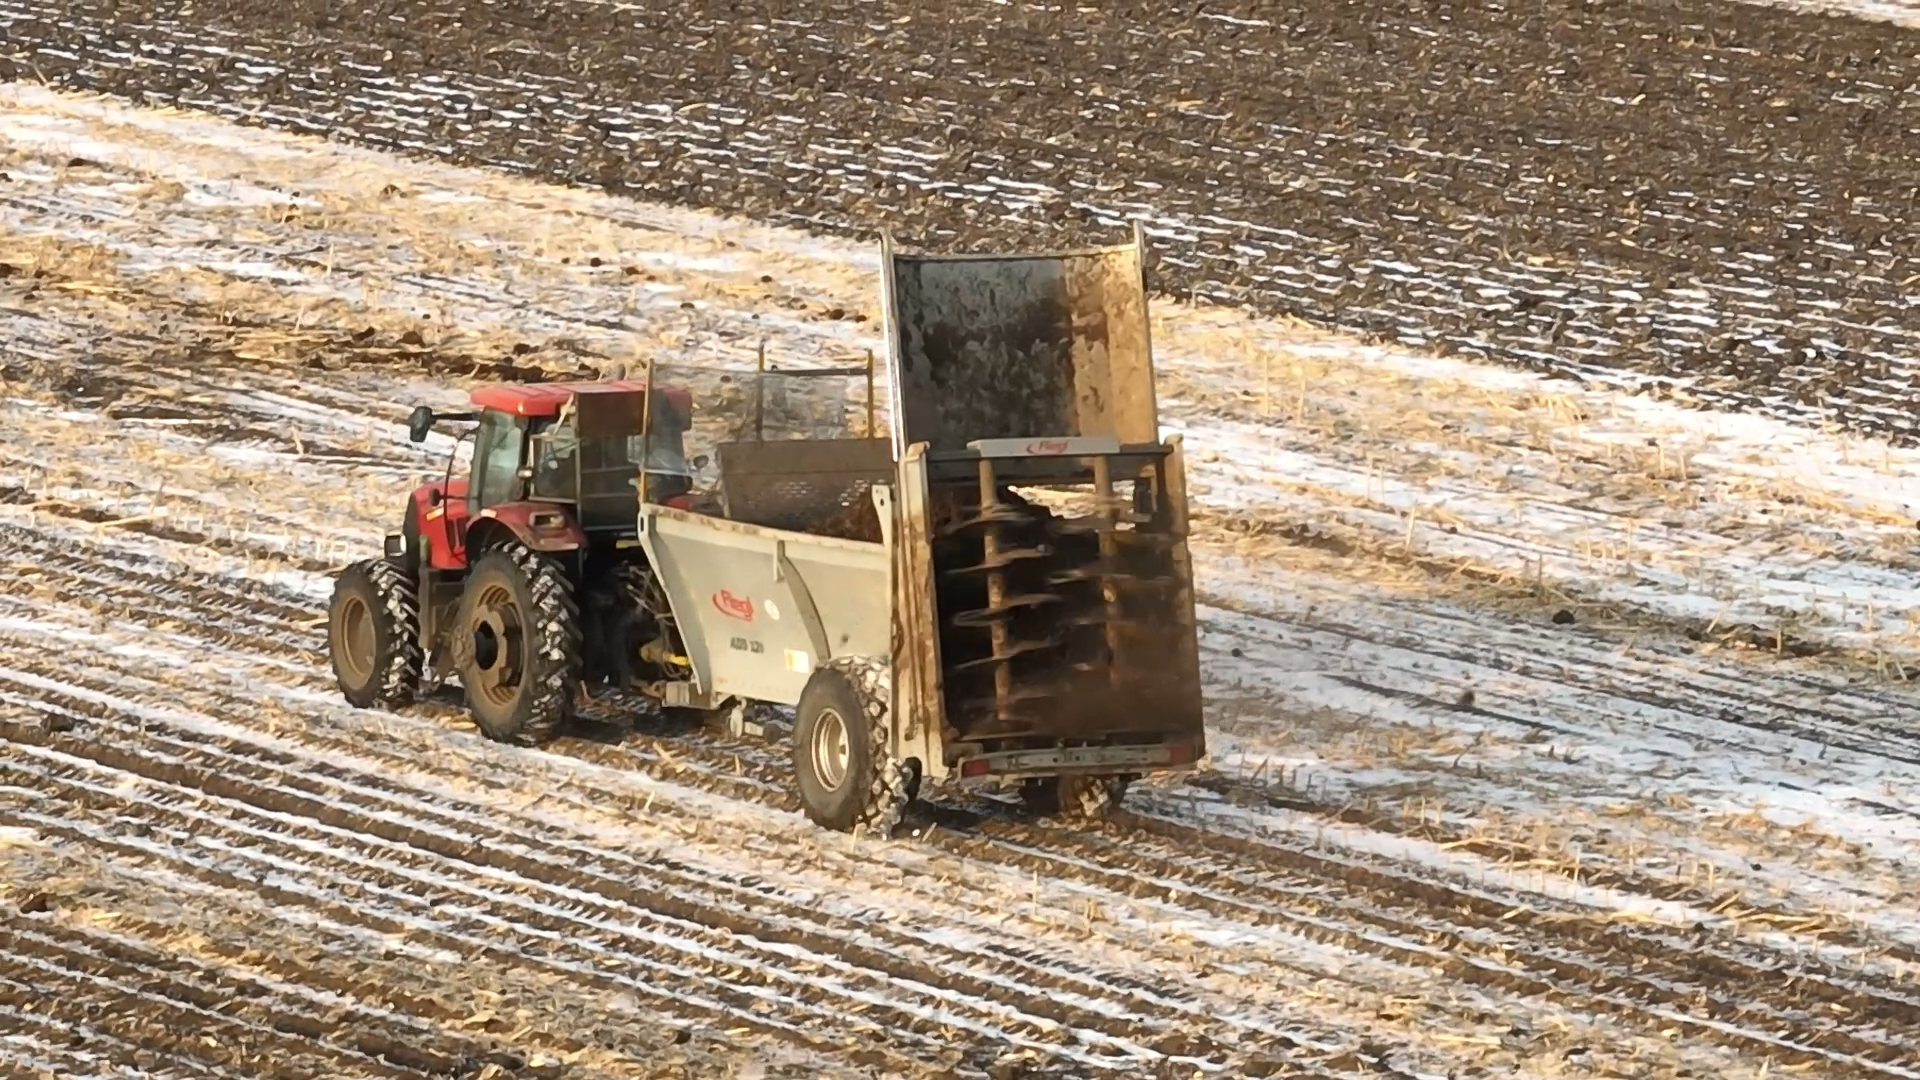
525,578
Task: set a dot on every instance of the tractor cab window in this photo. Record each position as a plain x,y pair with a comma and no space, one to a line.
601,470
662,450
556,449
499,449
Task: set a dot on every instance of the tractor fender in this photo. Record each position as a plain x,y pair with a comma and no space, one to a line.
441,528
539,526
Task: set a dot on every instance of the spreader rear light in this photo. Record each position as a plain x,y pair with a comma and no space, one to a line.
976,767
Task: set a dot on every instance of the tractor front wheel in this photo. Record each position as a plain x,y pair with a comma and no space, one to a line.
842,755
373,634
517,645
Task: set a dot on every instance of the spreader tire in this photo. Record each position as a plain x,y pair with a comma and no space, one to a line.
842,763
373,634
1074,798
517,645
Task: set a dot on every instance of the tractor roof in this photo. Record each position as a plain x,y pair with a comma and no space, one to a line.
546,399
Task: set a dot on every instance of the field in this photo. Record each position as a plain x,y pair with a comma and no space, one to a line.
1707,197
1558,730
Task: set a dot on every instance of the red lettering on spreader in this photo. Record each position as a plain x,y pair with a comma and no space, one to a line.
735,607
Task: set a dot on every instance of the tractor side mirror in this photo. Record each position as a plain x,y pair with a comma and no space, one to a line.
419,423
700,461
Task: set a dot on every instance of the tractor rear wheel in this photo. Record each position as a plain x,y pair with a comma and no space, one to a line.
373,634
1074,798
842,759
517,645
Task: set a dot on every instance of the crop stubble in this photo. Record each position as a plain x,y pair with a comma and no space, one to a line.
1712,192
537,897
377,842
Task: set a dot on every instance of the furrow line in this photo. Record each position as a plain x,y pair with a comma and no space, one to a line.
1470,935
220,1029
228,619
621,879
759,952
1243,794
1737,703
85,1043
447,911
611,873
1256,904
1079,977
378,1032
176,924
354,902
1662,975
108,564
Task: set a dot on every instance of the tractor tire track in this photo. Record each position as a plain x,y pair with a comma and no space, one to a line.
1176,867
742,959
1663,984
84,1043
269,1038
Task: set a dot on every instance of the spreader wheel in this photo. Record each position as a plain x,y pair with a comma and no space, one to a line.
842,759
517,645
1074,798
373,634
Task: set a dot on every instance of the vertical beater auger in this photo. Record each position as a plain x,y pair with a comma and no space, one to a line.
1001,558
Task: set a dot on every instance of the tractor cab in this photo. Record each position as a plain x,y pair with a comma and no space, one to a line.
559,458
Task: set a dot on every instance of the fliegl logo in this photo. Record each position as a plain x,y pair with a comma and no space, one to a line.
733,607
1039,447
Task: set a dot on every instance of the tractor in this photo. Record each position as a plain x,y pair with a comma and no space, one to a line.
524,578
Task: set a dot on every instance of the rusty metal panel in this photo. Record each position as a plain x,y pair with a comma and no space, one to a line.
1019,346
599,413
1169,656
919,709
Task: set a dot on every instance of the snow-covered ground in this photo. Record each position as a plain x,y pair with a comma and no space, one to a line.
1477,641
1898,12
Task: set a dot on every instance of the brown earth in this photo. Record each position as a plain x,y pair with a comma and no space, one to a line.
1708,192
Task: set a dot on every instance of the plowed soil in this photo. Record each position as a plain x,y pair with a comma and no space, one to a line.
210,866
1715,195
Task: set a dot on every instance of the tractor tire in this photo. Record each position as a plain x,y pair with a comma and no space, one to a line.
373,634
1074,798
842,763
516,645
